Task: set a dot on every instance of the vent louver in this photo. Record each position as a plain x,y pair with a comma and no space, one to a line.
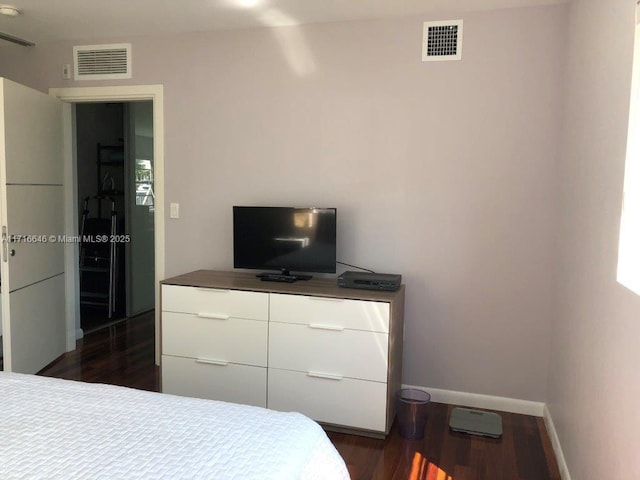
442,41
102,62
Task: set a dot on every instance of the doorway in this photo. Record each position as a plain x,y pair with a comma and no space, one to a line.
115,188
76,95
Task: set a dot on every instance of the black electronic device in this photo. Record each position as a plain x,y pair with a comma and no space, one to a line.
285,239
370,281
276,277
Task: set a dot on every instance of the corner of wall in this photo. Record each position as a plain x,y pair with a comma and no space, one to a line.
555,443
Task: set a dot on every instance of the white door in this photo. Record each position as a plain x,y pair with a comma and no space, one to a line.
31,218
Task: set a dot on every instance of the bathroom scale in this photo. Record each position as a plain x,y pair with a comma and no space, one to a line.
476,422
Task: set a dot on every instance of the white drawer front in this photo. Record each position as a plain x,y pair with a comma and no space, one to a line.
347,402
230,383
351,314
214,302
345,353
234,340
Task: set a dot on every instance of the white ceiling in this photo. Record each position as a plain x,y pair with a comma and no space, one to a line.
46,21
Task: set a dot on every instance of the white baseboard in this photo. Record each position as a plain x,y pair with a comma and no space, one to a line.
555,443
474,400
79,333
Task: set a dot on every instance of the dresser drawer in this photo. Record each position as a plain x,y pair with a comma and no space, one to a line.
215,302
346,402
336,312
345,353
235,340
229,383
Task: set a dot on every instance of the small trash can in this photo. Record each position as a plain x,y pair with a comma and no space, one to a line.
412,412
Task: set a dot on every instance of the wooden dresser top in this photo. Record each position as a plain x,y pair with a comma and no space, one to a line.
325,287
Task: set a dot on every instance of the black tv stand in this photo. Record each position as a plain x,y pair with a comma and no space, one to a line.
283,276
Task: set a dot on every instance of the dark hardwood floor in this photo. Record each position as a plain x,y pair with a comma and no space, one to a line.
123,354
120,354
523,453
94,318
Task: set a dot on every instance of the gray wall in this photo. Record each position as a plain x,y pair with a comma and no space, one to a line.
594,379
444,172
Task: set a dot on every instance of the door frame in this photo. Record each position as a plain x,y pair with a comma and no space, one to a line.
73,95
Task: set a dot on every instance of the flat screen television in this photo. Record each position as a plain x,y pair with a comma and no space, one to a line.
284,239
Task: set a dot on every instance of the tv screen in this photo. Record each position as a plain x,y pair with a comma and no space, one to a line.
285,239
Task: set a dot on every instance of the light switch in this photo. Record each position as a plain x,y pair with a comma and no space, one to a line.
174,210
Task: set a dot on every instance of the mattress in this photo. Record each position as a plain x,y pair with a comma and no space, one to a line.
63,429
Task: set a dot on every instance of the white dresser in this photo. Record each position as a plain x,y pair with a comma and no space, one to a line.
214,343
331,353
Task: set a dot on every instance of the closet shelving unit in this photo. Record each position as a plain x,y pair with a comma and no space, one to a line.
99,258
110,161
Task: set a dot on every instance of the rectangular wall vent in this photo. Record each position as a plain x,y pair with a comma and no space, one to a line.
102,62
442,41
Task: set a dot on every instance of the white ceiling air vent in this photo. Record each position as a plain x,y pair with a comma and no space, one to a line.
102,62
442,41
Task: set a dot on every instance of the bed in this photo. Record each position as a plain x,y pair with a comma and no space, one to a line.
63,429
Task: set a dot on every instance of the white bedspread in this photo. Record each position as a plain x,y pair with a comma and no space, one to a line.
61,429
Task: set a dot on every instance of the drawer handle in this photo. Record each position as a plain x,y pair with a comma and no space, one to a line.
214,316
320,326
217,290
326,376
210,361
328,299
